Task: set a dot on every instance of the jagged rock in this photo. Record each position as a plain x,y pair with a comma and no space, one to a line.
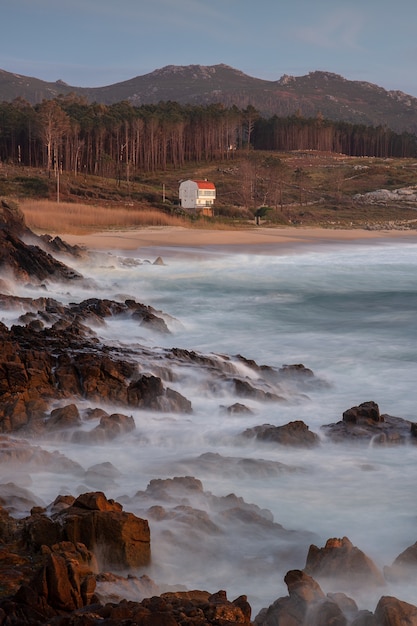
26,261
245,389
366,423
55,364
64,583
118,539
148,392
57,245
343,564
292,434
113,587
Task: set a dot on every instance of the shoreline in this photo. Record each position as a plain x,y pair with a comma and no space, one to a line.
260,239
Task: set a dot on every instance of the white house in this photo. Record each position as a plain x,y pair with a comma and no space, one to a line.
198,195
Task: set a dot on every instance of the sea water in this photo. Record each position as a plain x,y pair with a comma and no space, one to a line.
347,312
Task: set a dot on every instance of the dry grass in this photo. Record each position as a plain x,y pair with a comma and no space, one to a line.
73,218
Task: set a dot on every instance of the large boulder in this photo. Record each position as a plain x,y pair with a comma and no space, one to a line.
295,433
305,604
119,540
148,392
393,612
342,564
365,423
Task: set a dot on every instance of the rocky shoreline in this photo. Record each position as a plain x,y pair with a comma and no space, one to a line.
73,561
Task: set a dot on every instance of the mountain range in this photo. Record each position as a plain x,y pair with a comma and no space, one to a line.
324,93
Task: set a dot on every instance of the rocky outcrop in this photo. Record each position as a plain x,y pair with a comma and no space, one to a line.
54,364
344,564
26,261
365,423
55,356
402,195
307,604
292,434
393,612
118,539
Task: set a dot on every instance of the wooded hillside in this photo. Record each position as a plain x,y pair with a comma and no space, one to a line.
122,140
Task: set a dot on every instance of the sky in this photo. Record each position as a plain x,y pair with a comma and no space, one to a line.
93,43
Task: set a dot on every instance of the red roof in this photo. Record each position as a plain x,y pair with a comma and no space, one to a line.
204,184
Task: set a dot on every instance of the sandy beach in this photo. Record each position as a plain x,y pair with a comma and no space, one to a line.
259,239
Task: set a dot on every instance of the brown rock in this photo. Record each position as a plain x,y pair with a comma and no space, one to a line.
343,563
365,423
148,392
292,434
364,413
306,604
393,612
64,417
23,260
120,540
404,566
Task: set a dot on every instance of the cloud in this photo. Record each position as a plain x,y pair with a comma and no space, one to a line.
341,28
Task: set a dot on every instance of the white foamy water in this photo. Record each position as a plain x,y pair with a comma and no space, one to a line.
348,313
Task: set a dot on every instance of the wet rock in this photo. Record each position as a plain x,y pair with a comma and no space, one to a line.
114,588
245,389
295,433
119,539
393,612
65,582
27,261
344,565
365,413
64,417
56,245
307,604
149,392
110,427
365,423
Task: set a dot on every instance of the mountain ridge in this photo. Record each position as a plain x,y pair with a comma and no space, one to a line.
316,93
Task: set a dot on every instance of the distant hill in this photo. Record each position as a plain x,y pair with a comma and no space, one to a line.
331,95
